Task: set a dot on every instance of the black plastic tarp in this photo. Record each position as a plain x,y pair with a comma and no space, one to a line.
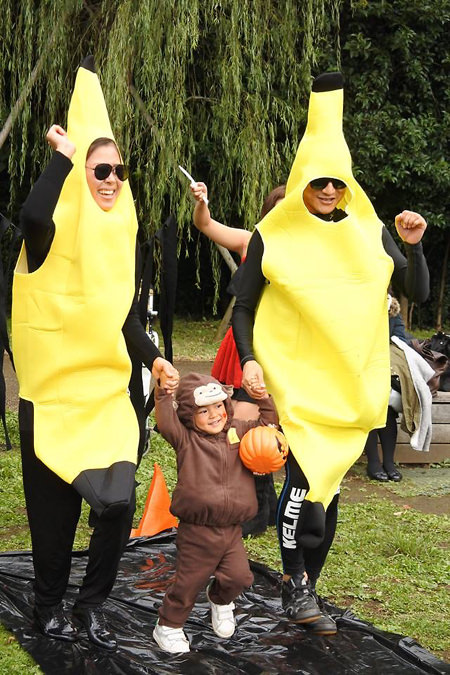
264,641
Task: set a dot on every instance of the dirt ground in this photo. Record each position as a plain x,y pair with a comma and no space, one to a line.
423,488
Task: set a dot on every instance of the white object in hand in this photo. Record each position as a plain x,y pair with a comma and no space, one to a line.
193,182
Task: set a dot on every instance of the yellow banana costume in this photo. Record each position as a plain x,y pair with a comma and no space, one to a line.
71,358
326,357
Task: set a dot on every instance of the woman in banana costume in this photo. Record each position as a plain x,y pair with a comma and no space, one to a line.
310,323
75,326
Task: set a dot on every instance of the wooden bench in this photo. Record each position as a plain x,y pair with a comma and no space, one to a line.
440,440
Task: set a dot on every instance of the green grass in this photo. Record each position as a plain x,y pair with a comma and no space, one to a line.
13,659
423,333
195,340
389,564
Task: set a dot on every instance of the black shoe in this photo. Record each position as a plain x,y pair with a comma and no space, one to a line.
378,475
52,621
298,600
394,475
93,619
324,625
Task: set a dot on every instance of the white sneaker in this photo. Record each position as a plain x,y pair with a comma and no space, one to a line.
171,640
222,618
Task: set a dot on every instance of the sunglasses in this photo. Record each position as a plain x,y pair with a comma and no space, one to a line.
321,183
102,171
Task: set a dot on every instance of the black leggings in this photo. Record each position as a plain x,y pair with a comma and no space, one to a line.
388,440
297,559
53,508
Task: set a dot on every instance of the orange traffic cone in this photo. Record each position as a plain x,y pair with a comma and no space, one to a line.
157,516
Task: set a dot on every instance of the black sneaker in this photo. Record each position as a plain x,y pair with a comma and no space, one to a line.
298,601
324,625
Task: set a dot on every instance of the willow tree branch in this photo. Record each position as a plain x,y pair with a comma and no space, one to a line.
201,98
143,108
152,124
17,107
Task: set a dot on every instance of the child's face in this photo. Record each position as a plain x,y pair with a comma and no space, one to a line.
211,418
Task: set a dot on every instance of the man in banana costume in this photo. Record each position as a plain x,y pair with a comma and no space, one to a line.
75,325
310,323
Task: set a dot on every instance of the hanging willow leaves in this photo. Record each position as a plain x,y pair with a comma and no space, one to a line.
35,33
224,85
219,87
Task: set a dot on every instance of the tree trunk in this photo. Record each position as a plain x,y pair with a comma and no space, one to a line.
442,285
410,315
404,311
223,326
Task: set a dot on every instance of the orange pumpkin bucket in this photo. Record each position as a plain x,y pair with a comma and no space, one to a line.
263,449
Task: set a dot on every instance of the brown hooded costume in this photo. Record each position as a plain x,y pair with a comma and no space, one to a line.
214,494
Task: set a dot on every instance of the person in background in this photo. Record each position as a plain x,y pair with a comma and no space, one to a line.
387,469
226,367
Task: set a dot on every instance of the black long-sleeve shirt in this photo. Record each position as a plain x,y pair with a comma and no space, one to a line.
410,275
38,228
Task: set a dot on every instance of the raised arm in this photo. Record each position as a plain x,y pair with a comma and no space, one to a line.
267,411
232,238
167,420
36,215
411,274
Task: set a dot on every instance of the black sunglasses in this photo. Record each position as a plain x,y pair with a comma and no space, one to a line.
321,183
102,171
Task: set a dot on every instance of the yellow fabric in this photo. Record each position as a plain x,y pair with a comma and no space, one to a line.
321,327
67,317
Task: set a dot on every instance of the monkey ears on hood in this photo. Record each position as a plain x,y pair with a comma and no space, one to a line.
196,390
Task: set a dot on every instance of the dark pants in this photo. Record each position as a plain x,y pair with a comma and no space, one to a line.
388,441
53,508
202,552
297,559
